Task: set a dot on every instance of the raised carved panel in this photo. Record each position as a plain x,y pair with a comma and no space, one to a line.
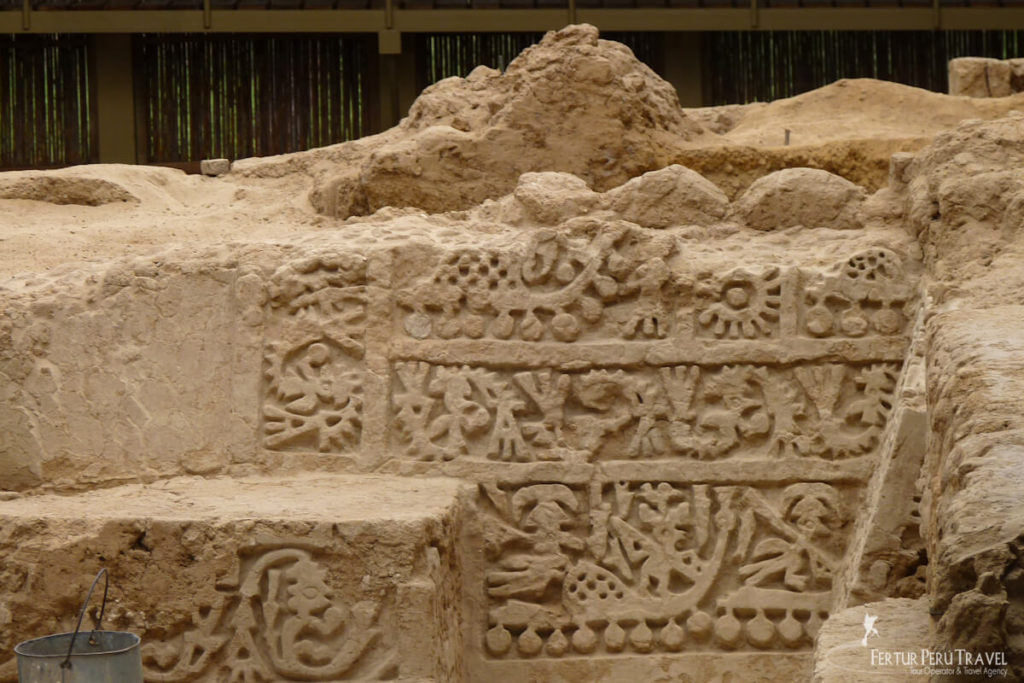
313,356
813,410
503,402
280,620
313,399
739,304
663,439
867,294
647,566
559,289
621,285
673,455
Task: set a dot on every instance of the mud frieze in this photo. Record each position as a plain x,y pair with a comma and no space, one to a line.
825,410
564,289
739,304
313,356
865,294
559,289
655,566
282,622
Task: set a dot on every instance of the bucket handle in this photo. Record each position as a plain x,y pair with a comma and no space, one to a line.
66,664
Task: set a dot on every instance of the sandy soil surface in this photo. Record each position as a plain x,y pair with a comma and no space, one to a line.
862,108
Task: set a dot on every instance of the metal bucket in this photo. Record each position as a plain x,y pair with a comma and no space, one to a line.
100,657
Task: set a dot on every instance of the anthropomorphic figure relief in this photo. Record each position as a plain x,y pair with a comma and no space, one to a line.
654,566
284,622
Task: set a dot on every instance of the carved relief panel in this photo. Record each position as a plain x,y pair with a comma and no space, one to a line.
620,284
739,304
560,289
313,357
280,619
580,292
823,410
868,294
730,393
673,455
654,566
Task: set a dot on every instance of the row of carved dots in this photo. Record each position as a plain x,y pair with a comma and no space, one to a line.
761,632
584,639
728,631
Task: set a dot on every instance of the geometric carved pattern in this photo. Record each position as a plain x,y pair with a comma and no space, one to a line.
638,567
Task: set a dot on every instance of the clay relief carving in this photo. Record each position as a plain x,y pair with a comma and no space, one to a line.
866,294
704,412
283,622
560,288
740,304
313,365
655,566
563,288
314,399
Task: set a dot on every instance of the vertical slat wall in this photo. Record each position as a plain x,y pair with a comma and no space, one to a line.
45,103
237,96
442,55
761,66
240,96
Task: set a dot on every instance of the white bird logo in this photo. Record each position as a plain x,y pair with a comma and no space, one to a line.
869,628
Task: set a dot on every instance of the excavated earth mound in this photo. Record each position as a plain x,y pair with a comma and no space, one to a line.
849,128
571,103
586,106
62,189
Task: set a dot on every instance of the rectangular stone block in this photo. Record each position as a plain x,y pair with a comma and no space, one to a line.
980,77
214,167
311,579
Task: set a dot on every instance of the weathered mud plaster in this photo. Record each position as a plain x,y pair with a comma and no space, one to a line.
315,578
668,440
583,428
887,556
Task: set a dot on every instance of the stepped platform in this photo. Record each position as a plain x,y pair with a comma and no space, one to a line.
323,577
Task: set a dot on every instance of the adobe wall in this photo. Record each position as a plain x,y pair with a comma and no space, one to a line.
571,431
